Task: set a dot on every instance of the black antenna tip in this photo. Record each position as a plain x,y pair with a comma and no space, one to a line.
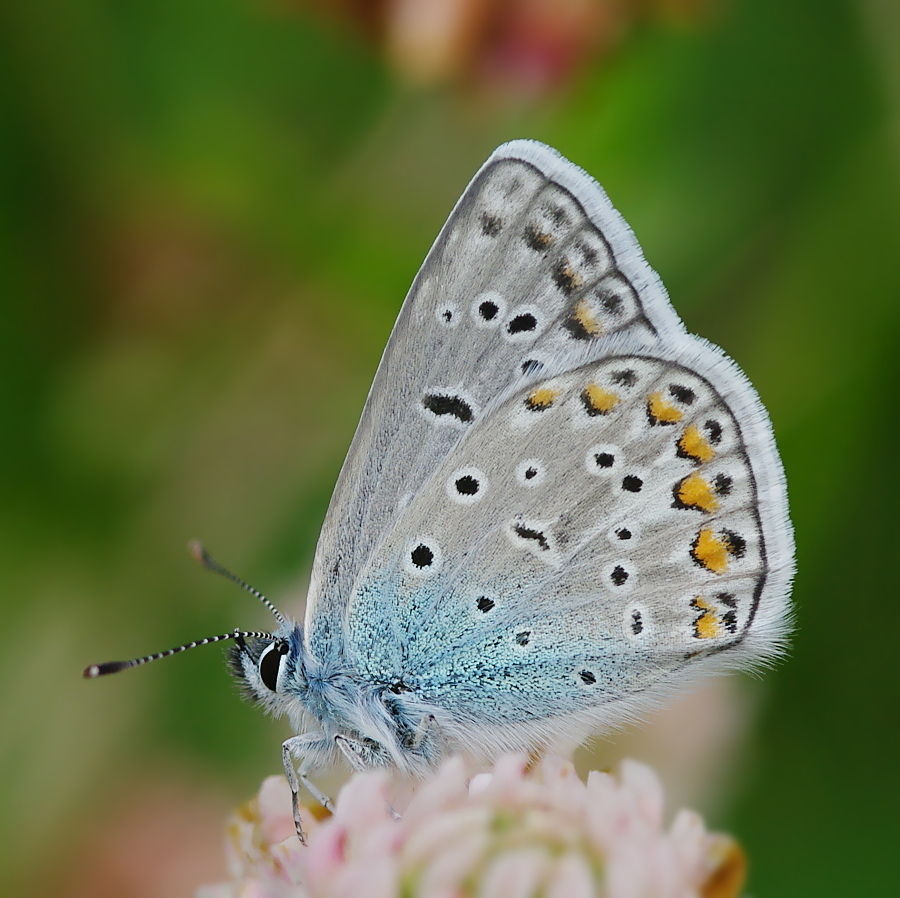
108,667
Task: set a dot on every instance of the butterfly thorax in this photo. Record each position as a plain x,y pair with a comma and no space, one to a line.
384,721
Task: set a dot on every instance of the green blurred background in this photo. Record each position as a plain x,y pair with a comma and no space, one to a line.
210,211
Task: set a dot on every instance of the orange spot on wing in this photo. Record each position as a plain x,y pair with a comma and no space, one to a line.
585,316
598,401
707,624
663,412
541,398
537,239
693,445
711,552
695,492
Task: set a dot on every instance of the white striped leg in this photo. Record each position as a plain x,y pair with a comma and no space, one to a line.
297,747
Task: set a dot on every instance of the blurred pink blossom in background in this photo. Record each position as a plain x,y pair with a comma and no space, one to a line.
508,47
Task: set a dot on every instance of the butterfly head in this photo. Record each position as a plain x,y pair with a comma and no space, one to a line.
267,668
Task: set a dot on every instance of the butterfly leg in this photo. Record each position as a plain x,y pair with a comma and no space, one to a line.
354,752
359,758
298,747
427,725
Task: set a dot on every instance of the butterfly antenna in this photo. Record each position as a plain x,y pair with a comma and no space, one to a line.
111,667
211,564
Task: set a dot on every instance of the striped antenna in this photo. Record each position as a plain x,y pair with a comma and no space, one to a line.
111,667
211,564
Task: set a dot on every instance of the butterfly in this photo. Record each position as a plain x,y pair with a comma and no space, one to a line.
558,506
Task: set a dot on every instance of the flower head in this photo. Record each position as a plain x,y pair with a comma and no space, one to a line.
512,832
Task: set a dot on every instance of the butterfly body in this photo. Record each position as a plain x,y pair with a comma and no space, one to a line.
558,507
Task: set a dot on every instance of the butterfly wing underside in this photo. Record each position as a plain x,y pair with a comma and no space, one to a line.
556,498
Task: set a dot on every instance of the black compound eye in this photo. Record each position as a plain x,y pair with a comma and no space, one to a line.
270,663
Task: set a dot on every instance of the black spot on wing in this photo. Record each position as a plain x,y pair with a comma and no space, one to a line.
467,485
422,556
522,323
632,483
490,224
729,618
722,484
530,533
488,310
441,404
713,432
682,394
577,330
626,378
735,544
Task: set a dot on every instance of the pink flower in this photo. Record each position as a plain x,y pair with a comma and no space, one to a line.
512,832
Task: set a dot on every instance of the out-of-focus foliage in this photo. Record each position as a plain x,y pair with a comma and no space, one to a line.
209,215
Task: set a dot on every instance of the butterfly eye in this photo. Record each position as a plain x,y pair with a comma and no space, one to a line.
270,663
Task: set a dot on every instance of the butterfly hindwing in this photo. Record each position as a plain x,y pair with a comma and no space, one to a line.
593,533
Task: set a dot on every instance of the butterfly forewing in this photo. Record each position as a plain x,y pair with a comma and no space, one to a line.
533,266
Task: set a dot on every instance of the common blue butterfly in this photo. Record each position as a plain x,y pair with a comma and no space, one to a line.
558,505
